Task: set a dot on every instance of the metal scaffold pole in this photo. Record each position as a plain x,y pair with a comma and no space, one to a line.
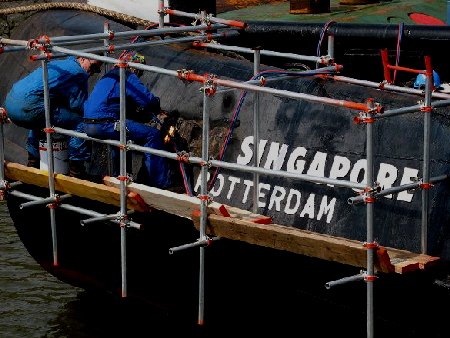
161,13
123,179
256,70
49,139
204,199
427,110
371,245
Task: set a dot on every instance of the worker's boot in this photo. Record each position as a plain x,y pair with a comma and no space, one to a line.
78,170
33,161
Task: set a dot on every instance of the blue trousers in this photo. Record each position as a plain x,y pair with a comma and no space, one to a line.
34,119
143,135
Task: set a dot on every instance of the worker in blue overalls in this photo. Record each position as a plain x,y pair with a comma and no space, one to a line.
102,112
68,89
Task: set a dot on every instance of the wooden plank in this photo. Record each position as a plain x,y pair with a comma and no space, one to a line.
312,244
71,185
171,202
182,204
240,224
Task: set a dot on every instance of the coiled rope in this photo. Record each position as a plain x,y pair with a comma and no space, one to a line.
77,6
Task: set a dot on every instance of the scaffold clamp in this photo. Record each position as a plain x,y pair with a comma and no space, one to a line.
361,276
208,198
183,74
4,187
183,156
372,245
3,116
206,241
209,87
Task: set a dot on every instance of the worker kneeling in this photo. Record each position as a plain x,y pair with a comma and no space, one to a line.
102,112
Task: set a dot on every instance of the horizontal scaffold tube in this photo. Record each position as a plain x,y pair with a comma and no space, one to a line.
69,207
262,52
345,280
143,33
394,190
210,18
276,78
188,76
47,200
222,164
14,42
224,34
386,86
411,109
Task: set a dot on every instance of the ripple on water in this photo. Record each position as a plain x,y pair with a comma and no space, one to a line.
30,297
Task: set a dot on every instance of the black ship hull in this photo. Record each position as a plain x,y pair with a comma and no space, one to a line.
260,286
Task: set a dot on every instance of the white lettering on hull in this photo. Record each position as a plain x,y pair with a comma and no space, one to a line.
292,201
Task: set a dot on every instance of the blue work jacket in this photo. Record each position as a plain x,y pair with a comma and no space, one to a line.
68,88
104,101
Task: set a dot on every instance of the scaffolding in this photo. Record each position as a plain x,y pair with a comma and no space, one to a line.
368,113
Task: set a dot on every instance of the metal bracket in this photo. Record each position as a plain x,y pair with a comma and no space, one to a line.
361,276
52,201
207,241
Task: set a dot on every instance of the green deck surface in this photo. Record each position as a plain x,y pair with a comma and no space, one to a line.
381,13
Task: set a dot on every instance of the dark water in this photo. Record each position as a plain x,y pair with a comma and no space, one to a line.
33,303
31,300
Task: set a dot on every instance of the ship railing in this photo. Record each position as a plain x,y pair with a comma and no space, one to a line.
369,112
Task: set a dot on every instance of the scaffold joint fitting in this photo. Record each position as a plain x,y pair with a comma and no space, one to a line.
209,85
372,245
205,164
426,109
183,74
262,81
207,198
183,157
48,130
163,10
369,278
426,186
3,116
121,64
122,218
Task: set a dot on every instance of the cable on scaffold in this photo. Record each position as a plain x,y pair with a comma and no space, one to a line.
399,41
322,34
237,110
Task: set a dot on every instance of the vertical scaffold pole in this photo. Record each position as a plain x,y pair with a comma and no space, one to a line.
161,14
3,182
203,205
426,155
106,30
49,139
331,46
123,181
106,67
2,148
256,70
371,247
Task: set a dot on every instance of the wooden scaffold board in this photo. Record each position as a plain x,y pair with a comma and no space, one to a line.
229,222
